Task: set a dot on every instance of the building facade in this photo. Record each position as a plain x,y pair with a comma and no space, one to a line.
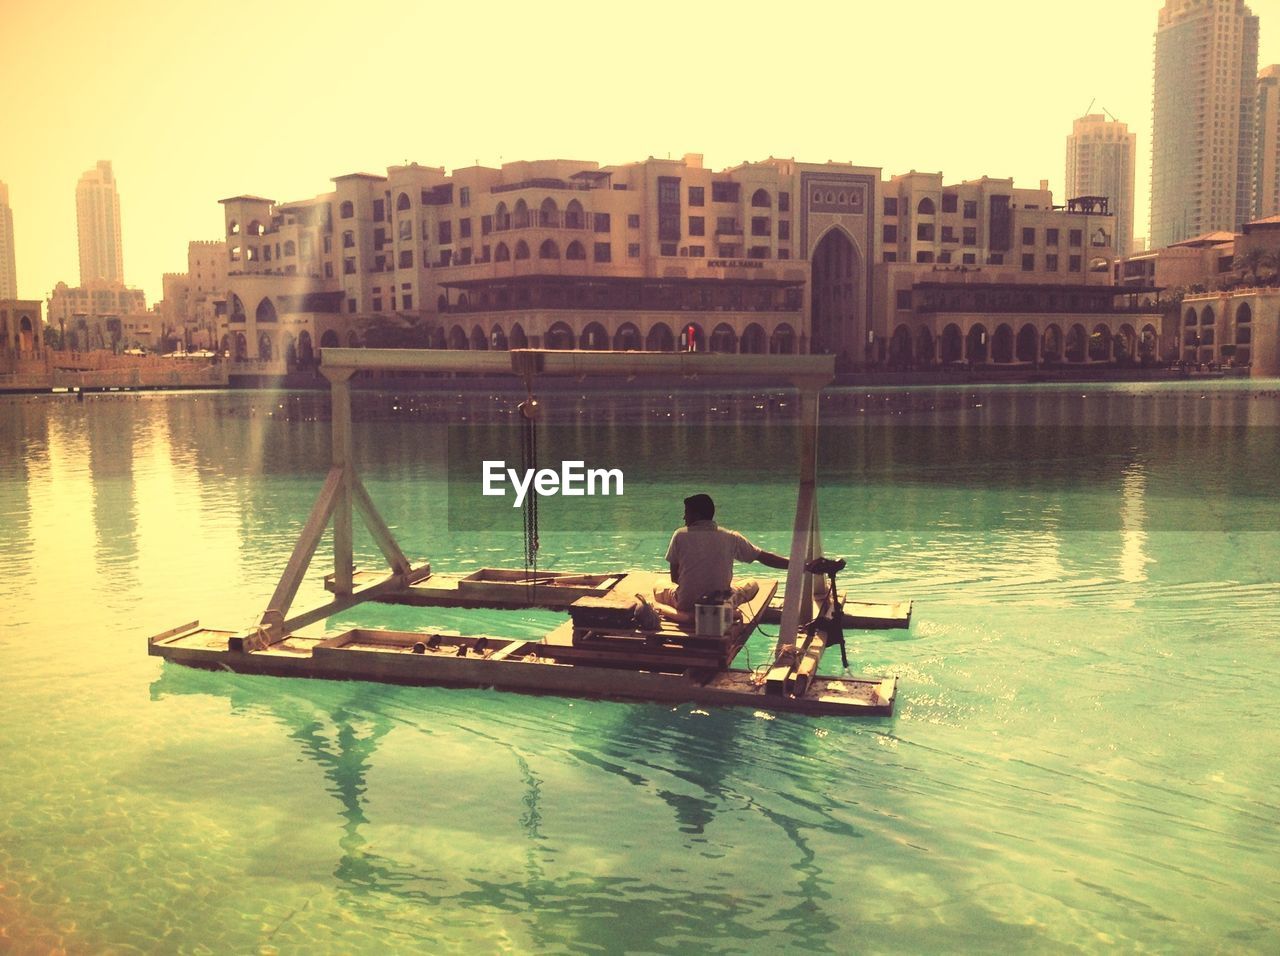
1267,190
100,315
772,256
1101,159
98,226
1203,114
8,263
21,331
1240,327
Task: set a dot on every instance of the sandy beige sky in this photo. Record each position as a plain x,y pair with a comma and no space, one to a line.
193,102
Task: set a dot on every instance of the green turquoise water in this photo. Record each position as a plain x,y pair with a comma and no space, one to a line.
1083,757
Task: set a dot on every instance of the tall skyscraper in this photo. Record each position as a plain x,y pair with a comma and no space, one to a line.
1202,118
1101,155
98,225
8,269
1267,191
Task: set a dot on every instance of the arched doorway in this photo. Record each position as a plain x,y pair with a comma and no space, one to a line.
1077,343
498,338
783,341
479,341
836,292
1002,344
952,344
458,339
925,347
692,338
900,348
723,339
1028,339
559,336
627,338
975,345
595,338
1100,344
264,347
1051,345
329,340
518,338
242,348
754,341
660,339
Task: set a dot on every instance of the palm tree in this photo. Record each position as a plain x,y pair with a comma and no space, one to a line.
1251,263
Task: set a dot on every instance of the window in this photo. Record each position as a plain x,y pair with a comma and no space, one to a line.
351,305
760,226
784,253
970,235
349,266
697,196
407,301
925,207
698,252
904,298
266,253
445,256
633,220
727,251
944,255
486,225
1028,237
348,240
890,205
464,196
969,259
727,225
995,259
758,252
1028,262
444,232
379,237
602,225
890,257
1051,262
760,199
784,202
377,303
463,257
697,226
406,258
464,228
784,228
1076,238
950,202
667,249
328,270
924,257
347,210
924,232
948,233
971,209
379,210
633,250
1051,237
604,252
328,244
668,209
724,192
406,229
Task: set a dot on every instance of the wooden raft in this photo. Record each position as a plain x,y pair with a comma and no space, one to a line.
597,652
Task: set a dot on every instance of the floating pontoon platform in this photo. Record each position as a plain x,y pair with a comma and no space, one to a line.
598,652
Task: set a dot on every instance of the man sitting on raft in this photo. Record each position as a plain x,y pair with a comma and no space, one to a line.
701,556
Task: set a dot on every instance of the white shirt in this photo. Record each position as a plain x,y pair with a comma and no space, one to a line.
703,556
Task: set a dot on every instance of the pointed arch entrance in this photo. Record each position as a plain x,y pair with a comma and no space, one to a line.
836,296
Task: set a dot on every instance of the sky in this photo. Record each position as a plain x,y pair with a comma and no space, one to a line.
197,101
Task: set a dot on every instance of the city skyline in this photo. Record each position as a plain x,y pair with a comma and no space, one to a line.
191,107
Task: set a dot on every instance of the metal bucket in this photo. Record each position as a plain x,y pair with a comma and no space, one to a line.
712,620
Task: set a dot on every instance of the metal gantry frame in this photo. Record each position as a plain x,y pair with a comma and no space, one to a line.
343,492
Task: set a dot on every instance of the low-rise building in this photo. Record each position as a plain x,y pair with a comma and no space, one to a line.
772,256
21,329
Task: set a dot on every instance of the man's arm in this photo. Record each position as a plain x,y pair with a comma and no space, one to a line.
675,572
771,560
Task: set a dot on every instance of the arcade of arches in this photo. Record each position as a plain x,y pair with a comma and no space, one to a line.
991,340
